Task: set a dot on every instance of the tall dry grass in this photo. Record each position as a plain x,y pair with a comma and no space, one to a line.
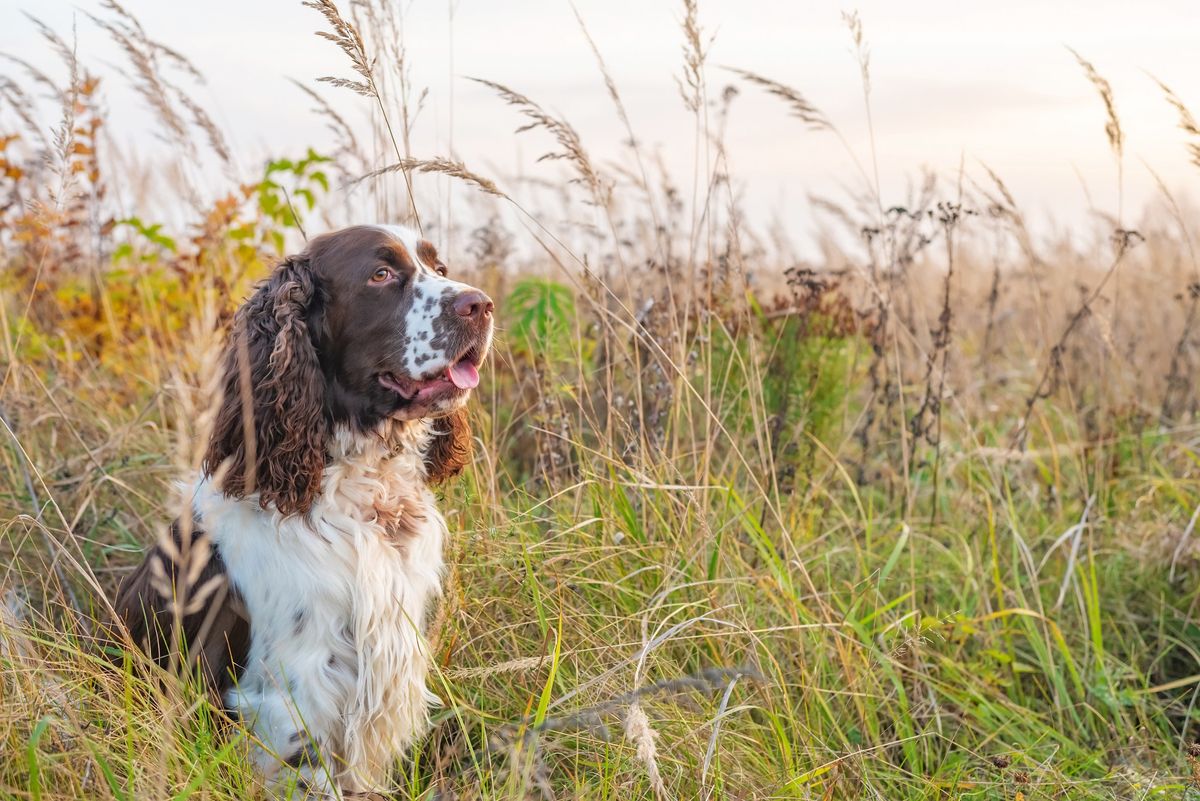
914,520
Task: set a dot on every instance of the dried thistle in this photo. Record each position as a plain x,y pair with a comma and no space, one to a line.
1123,241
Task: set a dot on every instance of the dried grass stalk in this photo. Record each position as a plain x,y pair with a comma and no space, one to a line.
343,34
1187,122
568,139
640,733
808,113
441,166
1112,127
695,53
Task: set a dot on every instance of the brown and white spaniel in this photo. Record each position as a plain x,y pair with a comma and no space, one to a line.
302,582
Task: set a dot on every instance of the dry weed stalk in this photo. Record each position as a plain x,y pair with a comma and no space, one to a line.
809,114
695,53
1011,213
1177,394
926,423
1123,241
440,166
188,596
566,136
517,752
642,735
1112,125
65,53
151,82
862,52
200,118
343,132
130,23
1112,130
21,104
348,39
641,179
1187,123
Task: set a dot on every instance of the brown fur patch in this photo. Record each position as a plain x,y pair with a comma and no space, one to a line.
428,254
270,431
183,570
450,449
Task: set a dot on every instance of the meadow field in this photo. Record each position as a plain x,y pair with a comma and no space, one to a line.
915,519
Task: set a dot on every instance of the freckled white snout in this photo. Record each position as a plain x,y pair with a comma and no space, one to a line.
473,304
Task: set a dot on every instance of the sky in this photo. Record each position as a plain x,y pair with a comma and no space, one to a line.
952,83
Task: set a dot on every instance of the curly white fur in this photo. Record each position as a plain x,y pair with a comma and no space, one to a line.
335,680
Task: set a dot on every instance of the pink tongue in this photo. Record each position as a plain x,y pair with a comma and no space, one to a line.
463,375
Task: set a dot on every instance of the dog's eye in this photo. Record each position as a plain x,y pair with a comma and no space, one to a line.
441,269
381,276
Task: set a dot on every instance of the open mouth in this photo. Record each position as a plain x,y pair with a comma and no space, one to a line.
461,376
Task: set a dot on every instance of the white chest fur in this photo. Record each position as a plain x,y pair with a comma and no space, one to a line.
337,603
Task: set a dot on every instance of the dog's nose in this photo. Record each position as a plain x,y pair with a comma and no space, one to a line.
473,303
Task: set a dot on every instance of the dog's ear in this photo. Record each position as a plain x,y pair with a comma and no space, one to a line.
449,448
270,431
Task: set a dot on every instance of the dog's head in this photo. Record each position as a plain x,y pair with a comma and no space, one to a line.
361,327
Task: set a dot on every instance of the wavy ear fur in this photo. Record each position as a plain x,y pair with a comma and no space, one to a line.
450,448
271,430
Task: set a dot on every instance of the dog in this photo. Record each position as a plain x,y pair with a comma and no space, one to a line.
300,585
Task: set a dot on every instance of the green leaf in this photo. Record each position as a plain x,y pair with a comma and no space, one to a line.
548,687
542,314
32,761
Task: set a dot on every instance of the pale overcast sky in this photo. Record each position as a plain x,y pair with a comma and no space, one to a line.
980,82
